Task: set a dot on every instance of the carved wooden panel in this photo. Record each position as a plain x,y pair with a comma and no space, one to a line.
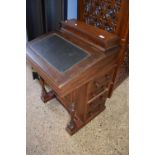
102,13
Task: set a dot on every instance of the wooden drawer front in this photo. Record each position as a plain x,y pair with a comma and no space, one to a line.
99,84
97,104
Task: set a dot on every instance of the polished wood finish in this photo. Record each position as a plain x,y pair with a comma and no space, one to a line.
113,17
83,88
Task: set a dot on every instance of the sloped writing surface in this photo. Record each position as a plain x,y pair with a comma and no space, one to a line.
58,52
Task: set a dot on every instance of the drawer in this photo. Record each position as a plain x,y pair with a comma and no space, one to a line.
97,105
99,84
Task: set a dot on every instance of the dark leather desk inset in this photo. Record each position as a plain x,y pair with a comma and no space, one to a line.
78,63
59,52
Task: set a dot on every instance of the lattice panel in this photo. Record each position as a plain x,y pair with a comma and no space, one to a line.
102,13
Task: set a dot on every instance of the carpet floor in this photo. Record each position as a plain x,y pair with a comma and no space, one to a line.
107,134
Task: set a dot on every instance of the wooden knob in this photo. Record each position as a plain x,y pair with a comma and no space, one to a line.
97,84
108,77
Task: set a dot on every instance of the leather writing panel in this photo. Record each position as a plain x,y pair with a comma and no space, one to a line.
60,53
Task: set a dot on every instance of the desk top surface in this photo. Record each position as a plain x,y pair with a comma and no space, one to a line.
62,59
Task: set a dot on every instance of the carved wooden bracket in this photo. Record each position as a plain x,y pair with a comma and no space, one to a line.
75,122
71,125
46,96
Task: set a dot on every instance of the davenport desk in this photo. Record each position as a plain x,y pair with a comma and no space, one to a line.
77,62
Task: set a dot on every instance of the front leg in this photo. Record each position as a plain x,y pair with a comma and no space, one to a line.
75,123
71,125
46,96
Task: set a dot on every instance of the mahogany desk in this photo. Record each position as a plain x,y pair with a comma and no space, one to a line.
77,62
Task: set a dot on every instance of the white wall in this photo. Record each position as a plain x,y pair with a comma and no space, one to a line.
72,9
